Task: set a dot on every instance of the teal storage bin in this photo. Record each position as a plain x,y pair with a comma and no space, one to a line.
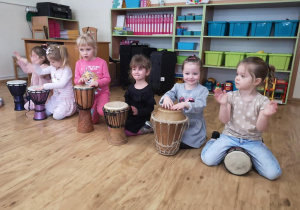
261,28
186,46
285,27
132,3
197,33
190,17
198,17
239,28
217,28
182,17
187,33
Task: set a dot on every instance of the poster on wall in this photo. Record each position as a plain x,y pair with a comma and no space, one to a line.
117,4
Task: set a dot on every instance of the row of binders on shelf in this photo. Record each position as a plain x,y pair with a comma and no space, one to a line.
150,24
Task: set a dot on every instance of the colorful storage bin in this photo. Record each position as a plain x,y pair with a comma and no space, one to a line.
132,3
239,28
260,55
180,59
261,28
198,17
285,27
214,58
280,61
187,45
217,28
233,58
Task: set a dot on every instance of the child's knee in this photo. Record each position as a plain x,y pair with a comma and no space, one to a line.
272,174
58,116
208,159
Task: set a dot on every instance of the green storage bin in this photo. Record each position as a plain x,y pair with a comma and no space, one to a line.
214,58
260,55
233,58
280,61
180,59
161,49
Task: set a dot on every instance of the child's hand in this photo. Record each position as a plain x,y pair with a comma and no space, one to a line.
221,96
39,88
94,84
270,108
134,110
81,80
180,106
24,60
168,103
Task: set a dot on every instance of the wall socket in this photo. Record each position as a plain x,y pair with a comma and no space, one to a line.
31,9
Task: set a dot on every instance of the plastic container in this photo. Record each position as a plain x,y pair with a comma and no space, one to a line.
187,45
233,58
182,17
180,59
261,28
217,28
260,55
280,61
239,28
285,27
214,58
197,33
132,3
198,17
190,17
161,49
188,33
179,31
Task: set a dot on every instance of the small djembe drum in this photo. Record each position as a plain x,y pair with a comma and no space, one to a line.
237,161
39,98
169,126
116,114
84,98
17,89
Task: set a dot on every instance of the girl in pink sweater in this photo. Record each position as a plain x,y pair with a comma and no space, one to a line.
92,71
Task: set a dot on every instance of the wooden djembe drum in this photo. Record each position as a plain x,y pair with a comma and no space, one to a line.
84,98
169,126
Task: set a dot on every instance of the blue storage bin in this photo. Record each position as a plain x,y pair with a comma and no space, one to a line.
285,27
261,28
132,3
198,17
197,33
239,28
189,17
217,28
188,33
186,45
182,17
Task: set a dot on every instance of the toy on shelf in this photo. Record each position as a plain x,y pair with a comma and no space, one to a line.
270,92
281,90
210,84
228,86
219,86
192,2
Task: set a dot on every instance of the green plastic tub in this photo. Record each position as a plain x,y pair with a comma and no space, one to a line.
214,58
280,61
260,55
180,59
233,58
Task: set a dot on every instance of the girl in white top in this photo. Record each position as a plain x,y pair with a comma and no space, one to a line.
62,103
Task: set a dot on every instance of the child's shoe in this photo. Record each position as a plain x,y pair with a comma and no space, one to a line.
147,128
215,135
95,116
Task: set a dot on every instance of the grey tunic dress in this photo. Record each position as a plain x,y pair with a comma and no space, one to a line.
195,134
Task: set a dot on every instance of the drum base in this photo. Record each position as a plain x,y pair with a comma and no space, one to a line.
40,112
117,136
237,163
19,103
85,124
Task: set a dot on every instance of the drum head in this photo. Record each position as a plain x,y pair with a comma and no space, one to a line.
116,105
82,87
237,161
33,89
16,82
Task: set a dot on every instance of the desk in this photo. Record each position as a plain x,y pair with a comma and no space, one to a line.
74,56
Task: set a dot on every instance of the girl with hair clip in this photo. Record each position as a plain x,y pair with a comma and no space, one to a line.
139,97
246,114
191,98
62,103
40,53
93,71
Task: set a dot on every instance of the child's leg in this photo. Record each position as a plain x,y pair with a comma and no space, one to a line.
102,100
64,110
263,160
128,133
29,105
215,150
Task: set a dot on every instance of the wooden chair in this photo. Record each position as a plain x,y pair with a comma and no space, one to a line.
90,30
39,29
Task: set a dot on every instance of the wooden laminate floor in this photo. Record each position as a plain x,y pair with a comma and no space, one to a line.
49,165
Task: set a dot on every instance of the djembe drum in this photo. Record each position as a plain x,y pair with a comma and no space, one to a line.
17,89
237,161
84,98
39,98
169,126
116,114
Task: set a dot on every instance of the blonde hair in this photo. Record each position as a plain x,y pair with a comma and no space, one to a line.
58,53
258,68
87,40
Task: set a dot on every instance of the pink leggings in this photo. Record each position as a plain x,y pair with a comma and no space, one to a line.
128,133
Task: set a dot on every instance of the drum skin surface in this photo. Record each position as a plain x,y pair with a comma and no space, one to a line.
169,126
